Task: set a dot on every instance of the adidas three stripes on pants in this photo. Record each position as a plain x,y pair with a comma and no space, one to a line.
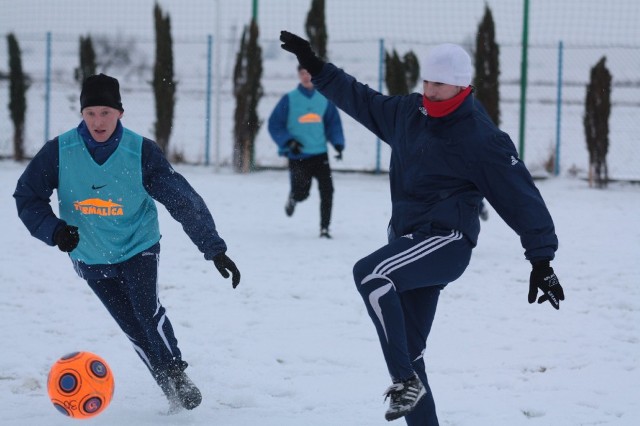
131,297
400,284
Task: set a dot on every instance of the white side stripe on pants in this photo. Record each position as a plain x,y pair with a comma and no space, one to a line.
399,260
374,300
412,254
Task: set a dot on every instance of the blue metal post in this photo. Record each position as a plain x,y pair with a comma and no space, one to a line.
47,90
207,118
380,85
558,110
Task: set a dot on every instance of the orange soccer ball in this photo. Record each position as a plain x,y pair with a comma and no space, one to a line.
80,385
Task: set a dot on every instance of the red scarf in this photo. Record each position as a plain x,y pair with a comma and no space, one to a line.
442,108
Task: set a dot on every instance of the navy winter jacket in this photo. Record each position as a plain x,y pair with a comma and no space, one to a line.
160,180
441,168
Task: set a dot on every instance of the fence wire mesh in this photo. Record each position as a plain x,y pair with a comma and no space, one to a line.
124,40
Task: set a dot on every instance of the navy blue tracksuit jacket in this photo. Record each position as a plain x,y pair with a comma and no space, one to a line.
437,173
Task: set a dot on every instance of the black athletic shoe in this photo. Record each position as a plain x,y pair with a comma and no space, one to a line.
404,397
324,233
179,389
290,206
169,391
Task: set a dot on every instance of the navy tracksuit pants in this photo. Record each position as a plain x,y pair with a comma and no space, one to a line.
400,284
302,171
129,291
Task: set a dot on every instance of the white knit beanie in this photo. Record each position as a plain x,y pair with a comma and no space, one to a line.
447,63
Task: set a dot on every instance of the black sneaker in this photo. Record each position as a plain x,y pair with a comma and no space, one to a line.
290,206
404,397
324,233
169,391
179,389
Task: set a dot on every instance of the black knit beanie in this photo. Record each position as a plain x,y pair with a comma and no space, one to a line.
100,90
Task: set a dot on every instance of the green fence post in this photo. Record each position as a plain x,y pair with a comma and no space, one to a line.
523,76
556,170
47,88
380,83
207,118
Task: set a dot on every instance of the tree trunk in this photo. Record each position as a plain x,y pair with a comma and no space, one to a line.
18,145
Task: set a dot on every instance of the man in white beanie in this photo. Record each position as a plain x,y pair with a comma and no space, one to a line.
447,155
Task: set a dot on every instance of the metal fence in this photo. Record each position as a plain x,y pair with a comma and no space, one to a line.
206,39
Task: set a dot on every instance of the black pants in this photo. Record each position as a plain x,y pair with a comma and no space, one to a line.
302,171
130,294
400,284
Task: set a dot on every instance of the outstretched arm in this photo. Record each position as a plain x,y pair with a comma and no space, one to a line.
186,206
33,193
370,108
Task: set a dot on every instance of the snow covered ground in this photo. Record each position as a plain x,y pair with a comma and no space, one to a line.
293,344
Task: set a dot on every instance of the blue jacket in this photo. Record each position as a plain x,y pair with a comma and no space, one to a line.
281,135
442,167
159,179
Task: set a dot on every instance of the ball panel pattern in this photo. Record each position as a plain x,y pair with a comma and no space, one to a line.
80,385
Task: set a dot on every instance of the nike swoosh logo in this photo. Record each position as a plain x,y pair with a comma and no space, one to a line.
97,187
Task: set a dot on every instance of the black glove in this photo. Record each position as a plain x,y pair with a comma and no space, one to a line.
66,238
294,146
339,148
302,49
224,265
543,278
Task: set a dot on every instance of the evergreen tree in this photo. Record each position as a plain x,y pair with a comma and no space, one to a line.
393,71
316,29
87,60
401,75
164,86
411,70
17,96
596,122
247,90
487,66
